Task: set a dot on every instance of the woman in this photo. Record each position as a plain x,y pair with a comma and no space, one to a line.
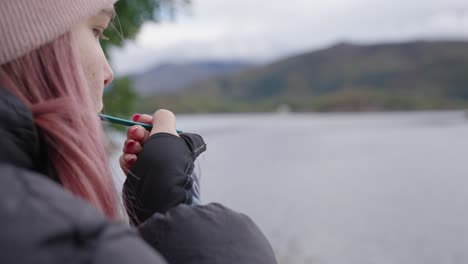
57,200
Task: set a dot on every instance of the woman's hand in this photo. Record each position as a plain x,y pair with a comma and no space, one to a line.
159,166
163,121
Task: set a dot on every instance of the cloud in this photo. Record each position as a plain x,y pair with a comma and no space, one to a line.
263,30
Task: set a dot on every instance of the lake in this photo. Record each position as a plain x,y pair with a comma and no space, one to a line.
344,188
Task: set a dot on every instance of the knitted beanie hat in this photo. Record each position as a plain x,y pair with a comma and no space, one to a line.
25,25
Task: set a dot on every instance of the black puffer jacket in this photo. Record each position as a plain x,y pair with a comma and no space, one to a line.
40,222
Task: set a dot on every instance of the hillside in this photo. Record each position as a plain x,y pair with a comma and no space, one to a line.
173,78
417,75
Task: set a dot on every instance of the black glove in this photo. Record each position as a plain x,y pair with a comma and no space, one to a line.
207,234
160,179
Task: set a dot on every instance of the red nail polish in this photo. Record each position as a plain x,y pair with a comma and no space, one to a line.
130,144
136,117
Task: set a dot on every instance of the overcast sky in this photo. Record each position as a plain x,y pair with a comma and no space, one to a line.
264,30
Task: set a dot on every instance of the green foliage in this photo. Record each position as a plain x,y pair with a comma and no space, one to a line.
120,100
131,14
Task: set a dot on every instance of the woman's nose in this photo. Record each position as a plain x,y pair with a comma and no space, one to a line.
108,74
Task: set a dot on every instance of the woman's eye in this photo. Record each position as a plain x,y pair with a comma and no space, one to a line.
99,33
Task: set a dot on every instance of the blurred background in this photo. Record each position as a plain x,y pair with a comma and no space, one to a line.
339,126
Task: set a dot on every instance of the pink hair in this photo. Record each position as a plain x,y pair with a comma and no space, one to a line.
50,81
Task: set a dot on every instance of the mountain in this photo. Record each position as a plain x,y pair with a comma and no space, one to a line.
173,78
344,77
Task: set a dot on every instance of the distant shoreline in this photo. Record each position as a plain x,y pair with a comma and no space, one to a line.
188,104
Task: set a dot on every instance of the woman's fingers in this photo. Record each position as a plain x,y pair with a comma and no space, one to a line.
138,133
132,147
147,119
136,138
164,121
127,161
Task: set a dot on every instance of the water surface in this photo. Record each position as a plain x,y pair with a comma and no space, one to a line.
344,188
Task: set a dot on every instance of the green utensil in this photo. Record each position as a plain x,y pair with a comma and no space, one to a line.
125,122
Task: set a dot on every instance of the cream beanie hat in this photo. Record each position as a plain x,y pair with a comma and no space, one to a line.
26,25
